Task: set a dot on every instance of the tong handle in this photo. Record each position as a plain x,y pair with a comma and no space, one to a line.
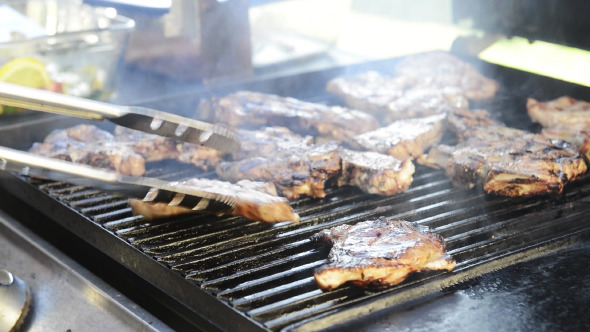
46,101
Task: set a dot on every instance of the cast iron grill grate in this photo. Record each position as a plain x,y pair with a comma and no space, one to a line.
266,272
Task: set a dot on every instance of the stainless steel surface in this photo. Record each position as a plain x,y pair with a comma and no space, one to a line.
150,189
66,296
135,117
14,301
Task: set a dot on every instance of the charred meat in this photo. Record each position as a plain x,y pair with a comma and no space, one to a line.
509,161
269,141
300,172
151,147
306,172
559,111
565,119
89,145
403,138
256,201
443,70
578,134
246,109
375,173
379,253
393,98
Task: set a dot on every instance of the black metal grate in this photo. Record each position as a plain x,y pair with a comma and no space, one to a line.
266,272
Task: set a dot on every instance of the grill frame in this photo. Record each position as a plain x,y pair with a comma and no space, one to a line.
228,309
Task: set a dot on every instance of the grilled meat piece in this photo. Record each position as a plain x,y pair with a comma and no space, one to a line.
158,148
437,157
247,109
151,147
564,118
578,134
300,172
443,70
512,162
381,253
459,121
256,201
403,138
394,98
268,142
306,171
559,111
375,173
89,145
199,156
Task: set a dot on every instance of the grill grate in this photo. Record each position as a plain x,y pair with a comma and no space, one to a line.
266,272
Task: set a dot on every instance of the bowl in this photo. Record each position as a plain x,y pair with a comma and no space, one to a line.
79,45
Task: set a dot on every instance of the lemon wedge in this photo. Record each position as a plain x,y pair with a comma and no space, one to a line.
27,72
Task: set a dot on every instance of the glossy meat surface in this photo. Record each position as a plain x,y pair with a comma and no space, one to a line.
379,253
559,111
443,70
394,98
403,138
307,171
564,118
508,161
246,109
89,145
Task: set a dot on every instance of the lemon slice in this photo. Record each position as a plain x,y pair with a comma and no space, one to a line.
27,72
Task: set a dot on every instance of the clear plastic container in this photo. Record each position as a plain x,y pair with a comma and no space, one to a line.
80,45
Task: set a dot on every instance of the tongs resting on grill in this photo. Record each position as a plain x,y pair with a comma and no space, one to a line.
135,117
149,189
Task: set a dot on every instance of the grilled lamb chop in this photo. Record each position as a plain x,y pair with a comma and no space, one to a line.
442,70
298,172
578,134
459,121
247,109
379,253
509,162
305,172
200,156
86,144
403,138
256,201
564,118
151,147
158,148
268,142
559,111
375,173
393,98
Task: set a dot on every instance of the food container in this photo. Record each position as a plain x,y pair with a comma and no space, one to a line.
79,46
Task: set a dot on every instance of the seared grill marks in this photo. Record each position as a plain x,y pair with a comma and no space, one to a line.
507,161
307,171
382,252
246,109
403,138
565,119
86,144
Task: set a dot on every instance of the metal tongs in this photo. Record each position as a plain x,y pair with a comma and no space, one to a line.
134,117
149,189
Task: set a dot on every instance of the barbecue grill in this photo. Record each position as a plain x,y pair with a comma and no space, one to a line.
214,273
